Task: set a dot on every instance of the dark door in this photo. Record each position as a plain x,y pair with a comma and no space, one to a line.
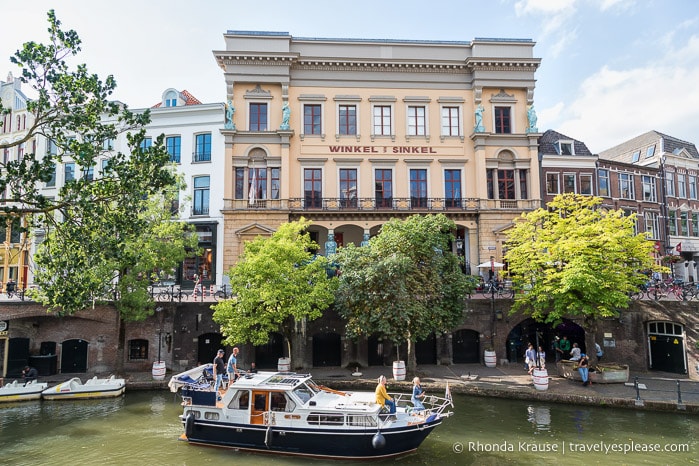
426,350
17,356
267,356
74,356
466,347
376,350
208,345
667,353
327,349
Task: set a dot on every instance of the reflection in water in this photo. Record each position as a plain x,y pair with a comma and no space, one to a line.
143,428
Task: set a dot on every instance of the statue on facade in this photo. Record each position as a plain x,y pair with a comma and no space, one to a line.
531,117
330,245
479,119
286,113
365,240
230,111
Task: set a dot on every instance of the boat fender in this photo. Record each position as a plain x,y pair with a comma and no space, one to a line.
378,441
189,425
268,437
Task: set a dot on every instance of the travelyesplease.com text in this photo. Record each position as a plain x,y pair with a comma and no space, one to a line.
571,447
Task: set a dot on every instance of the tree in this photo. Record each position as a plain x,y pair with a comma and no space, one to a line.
576,258
89,225
276,284
405,284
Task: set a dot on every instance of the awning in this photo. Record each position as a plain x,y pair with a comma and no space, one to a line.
487,265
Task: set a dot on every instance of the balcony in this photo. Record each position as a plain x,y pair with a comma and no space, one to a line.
371,204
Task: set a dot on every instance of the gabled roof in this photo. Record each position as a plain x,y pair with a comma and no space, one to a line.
668,144
189,99
548,144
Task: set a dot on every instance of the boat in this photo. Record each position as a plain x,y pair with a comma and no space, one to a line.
93,388
21,391
288,413
608,372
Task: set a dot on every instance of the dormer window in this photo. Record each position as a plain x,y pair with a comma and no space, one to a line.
171,99
565,148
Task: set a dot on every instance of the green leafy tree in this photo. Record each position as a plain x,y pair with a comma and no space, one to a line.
576,259
405,284
276,285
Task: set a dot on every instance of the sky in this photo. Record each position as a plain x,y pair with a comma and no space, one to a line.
610,69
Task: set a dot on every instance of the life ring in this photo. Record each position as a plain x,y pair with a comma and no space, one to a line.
189,425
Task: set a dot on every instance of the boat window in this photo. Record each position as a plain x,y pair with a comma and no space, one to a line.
260,401
313,387
241,400
211,416
323,419
197,414
362,421
304,393
277,402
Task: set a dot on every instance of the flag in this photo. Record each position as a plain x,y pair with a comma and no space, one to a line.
678,248
253,187
447,395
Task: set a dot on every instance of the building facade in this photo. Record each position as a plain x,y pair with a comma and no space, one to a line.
352,133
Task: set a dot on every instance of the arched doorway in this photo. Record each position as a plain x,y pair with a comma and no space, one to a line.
208,345
529,331
74,356
666,347
327,349
426,350
267,355
465,346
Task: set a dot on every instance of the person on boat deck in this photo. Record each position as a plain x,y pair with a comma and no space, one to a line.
29,374
253,368
382,397
232,367
575,353
418,392
219,369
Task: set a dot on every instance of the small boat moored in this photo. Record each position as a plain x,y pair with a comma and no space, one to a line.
288,413
21,391
93,388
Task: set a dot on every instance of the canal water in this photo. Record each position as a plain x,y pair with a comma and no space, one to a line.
142,428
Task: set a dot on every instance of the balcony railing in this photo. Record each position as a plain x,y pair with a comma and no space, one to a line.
382,205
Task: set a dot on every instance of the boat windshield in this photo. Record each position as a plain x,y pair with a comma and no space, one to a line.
305,391
313,387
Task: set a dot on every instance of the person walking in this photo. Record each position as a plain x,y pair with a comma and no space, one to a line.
583,369
530,358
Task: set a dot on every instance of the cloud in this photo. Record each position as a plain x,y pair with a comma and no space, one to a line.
617,104
546,7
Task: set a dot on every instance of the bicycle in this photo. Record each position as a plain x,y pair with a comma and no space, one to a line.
172,294
222,293
494,288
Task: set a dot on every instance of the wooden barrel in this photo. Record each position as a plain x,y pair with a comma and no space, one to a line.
490,358
159,370
399,370
284,364
541,379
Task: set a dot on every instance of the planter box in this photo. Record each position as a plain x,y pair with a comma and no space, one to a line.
603,372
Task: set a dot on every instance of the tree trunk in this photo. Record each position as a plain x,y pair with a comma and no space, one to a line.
590,340
411,363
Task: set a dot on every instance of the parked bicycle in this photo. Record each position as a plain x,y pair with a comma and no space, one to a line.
222,293
171,292
497,289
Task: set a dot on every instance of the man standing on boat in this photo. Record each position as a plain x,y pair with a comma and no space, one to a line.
219,369
232,367
382,397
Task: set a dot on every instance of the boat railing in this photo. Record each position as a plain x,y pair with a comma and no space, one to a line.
433,404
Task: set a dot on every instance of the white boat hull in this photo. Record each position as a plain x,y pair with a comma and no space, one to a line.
20,391
93,388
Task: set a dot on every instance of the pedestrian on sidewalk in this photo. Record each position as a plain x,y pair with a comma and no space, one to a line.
583,369
599,353
530,358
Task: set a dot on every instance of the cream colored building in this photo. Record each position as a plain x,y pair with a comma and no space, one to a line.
350,133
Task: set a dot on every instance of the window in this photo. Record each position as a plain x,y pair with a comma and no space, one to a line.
52,181
552,183
171,99
257,184
506,184
681,186
240,183
670,184
636,156
502,120
565,148
684,224
692,187
648,183
275,185
348,187
418,188
20,151
650,151
585,184
652,225
672,222
138,349
383,187
452,188
105,163
51,148
89,173
69,171
108,144
451,121
695,224
416,121
311,119
347,119
146,143
603,181
202,152
382,120
313,188
258,117
200,205
569,182
489,183
15,236
626,186
523,192
173,144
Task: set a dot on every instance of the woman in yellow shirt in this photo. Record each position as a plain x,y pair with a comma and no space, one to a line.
382,397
